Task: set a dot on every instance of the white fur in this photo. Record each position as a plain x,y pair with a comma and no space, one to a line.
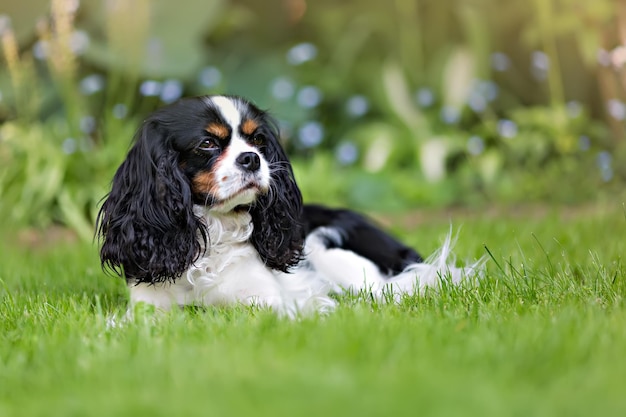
231,272
228,109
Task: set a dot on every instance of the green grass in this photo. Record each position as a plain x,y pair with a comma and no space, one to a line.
543,334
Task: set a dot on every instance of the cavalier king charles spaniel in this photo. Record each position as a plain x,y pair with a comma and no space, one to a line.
205,210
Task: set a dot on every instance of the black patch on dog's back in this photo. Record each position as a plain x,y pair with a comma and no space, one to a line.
362,237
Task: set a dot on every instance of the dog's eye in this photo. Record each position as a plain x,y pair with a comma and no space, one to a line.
208,145
258,139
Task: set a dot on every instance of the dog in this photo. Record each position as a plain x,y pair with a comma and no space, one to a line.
205,210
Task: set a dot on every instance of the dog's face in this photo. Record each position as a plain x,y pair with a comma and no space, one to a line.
223,145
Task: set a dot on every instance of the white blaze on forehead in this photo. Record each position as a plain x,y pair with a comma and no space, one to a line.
229,111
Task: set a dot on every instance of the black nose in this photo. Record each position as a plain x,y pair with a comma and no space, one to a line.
249,161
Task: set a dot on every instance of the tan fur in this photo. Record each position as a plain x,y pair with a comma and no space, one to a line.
249,126
218,130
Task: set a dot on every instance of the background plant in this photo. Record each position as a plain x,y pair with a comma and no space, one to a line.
382,105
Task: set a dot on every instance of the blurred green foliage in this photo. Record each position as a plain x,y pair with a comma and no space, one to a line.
383,105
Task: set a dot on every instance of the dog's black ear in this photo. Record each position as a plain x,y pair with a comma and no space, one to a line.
146,225
278,233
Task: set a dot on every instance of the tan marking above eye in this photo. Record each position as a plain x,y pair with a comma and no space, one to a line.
249,126
218,130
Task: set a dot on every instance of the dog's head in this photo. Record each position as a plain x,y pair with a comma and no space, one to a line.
220,152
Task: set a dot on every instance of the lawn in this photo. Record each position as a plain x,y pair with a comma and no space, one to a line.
542,334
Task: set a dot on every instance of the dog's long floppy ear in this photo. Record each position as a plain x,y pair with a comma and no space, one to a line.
146,225
278,234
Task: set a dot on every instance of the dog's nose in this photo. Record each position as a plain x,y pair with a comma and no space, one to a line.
249,161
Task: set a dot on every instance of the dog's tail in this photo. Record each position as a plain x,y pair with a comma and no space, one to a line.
348,272
439,268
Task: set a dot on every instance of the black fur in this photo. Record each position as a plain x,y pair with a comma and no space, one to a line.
278,234
148,230
362,237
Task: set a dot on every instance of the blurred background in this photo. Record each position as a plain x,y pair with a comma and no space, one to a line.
396,105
